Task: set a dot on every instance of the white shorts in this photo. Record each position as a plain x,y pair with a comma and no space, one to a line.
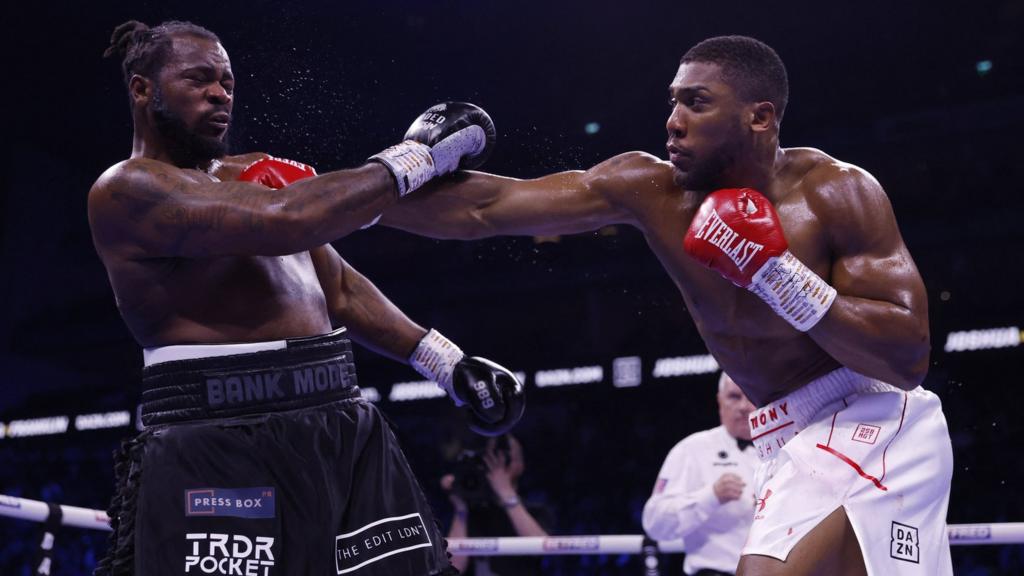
880,452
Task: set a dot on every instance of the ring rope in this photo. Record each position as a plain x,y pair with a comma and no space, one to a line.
959,534
36,511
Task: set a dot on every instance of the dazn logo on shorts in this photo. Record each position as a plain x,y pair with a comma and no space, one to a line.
905,543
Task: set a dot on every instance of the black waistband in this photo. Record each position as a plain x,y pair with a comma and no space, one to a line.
307,372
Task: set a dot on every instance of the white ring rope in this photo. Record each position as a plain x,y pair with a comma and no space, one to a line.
37,511
959,534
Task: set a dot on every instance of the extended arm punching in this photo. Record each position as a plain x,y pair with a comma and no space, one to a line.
476,205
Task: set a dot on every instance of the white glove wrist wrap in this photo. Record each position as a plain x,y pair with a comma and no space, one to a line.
410,162
435,358
793,291
465,143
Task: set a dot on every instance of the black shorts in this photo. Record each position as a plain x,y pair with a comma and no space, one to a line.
268,464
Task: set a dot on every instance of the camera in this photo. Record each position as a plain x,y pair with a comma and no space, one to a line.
471,475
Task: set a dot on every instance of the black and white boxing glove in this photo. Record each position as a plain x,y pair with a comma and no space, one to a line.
495,397
447,137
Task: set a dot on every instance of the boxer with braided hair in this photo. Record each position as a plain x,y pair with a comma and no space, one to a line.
260,456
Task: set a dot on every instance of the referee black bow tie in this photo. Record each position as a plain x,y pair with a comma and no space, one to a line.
742,444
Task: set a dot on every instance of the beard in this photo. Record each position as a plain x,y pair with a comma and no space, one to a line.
705,175
185,146
708,172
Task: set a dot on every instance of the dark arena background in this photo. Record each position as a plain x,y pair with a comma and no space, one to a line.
928,96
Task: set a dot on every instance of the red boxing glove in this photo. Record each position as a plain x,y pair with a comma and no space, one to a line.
734,232
737,233
276,173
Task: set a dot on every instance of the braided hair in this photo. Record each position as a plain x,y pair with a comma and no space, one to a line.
144,50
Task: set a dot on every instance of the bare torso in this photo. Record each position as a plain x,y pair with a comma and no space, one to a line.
215,300
761,352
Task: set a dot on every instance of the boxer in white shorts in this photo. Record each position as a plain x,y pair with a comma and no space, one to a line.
881,453
790,262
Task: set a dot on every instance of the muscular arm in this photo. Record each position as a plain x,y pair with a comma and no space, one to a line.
353,301
878,324
149,209
473,205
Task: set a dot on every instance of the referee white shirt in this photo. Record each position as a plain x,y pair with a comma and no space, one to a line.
684,505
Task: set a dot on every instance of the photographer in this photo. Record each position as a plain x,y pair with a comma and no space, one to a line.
483,491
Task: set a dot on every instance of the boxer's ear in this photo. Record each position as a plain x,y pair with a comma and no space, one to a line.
140,90
762,116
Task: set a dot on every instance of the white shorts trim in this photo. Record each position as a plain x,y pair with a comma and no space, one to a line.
158,354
